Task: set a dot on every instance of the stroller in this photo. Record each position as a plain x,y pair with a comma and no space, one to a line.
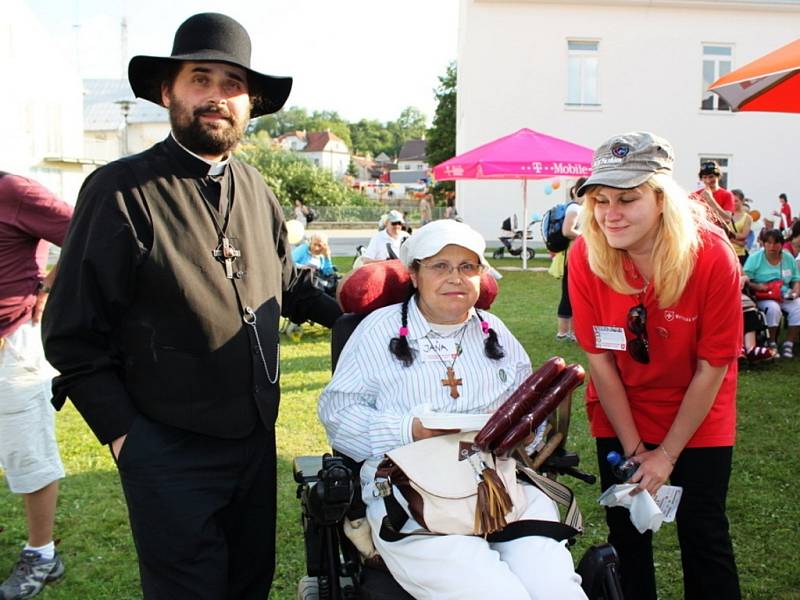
511,238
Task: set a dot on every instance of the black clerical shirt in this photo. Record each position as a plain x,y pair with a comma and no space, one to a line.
143,319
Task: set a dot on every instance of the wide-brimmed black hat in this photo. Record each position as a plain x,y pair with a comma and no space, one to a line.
210,37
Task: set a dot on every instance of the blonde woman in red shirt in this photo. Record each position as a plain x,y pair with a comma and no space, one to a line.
656,307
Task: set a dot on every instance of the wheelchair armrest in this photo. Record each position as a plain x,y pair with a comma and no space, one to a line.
306,468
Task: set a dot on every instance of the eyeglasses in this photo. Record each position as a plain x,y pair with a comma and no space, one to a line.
637,325
396,223
442,268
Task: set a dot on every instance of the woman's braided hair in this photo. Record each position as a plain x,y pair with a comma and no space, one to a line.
402,351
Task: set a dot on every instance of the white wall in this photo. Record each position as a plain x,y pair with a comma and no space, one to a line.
512,73
42,104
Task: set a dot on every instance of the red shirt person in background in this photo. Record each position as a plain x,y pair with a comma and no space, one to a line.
30,219
784,214
718,199
656,306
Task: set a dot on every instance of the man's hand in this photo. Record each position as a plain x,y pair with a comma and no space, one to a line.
116,445
38,308
420,432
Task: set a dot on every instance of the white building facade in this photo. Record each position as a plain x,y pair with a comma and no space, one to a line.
42,125
584,71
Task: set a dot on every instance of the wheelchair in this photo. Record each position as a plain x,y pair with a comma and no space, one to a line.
328,488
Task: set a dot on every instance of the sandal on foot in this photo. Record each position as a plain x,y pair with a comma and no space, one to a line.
760,354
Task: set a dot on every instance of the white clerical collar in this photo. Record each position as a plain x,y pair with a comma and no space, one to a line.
214,167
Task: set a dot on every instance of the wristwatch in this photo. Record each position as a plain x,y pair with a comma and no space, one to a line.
42,287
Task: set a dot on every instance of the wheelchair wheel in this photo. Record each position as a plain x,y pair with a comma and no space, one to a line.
498,253
308,589
530,252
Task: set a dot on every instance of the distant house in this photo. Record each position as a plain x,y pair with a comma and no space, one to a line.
365,167
323,148
412,164
107,103
412,156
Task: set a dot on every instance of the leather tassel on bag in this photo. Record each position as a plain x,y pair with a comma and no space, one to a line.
493,503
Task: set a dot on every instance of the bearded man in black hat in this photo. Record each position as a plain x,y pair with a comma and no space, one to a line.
164,321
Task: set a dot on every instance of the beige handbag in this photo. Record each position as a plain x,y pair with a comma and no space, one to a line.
453,488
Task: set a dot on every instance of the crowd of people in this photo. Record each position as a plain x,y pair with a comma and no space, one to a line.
161,320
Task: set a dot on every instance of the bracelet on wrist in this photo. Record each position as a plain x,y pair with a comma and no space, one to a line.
671,460
635,449
42,288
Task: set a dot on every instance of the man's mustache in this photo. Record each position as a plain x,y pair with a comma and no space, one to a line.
214,108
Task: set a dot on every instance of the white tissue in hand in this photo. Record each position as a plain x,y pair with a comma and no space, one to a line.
646,512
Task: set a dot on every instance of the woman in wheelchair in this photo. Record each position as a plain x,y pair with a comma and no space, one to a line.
436,352
315,254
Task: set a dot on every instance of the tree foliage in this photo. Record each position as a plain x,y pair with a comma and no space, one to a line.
292,177
442,134
366,136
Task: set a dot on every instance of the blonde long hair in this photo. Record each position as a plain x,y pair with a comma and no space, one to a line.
674,251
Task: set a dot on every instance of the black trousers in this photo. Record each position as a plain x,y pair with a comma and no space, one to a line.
565,306
202,512
709,568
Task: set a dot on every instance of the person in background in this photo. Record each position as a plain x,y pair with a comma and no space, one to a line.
770,264
656,297
31,218
741,224
385,244
425,210
718,200
769,225
784,213
792,245
570,230
315,253
301,211
164,321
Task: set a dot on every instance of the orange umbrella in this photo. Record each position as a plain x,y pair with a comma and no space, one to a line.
770,83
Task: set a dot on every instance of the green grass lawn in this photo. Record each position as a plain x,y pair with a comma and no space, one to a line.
101,563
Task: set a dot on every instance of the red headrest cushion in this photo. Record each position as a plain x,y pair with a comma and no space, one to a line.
380,284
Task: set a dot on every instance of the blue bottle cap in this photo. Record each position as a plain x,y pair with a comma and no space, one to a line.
614,458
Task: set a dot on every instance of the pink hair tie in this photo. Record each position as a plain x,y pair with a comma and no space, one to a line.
485,327
403,331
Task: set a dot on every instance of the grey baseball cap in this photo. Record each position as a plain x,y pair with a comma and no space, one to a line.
628,160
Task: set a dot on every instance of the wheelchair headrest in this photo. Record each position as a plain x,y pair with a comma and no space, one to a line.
380,284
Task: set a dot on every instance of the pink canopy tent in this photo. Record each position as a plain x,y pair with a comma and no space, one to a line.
524,154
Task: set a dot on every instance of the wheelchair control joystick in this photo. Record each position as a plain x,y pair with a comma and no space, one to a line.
330,497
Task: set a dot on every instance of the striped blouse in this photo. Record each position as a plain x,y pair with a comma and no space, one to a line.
368,407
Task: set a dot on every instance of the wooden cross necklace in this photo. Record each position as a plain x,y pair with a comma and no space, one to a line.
451,380
225,252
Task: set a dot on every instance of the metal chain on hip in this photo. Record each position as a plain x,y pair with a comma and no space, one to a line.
249,318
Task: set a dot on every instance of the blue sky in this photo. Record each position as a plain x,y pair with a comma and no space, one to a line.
362,58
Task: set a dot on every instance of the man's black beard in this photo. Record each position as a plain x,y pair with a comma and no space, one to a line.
201,138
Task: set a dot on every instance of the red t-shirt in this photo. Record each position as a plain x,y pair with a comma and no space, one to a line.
705,323
30,217
723,197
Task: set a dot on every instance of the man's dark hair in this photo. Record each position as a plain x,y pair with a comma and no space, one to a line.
709,167
783,197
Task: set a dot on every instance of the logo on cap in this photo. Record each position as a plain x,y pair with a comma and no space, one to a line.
620,150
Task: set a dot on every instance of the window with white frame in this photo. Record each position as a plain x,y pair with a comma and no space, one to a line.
717,61
582,62
722,162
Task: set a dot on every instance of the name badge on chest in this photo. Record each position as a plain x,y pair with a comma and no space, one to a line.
439,349
610,338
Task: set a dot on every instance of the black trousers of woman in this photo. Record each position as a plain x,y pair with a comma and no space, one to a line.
564,306
709,568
